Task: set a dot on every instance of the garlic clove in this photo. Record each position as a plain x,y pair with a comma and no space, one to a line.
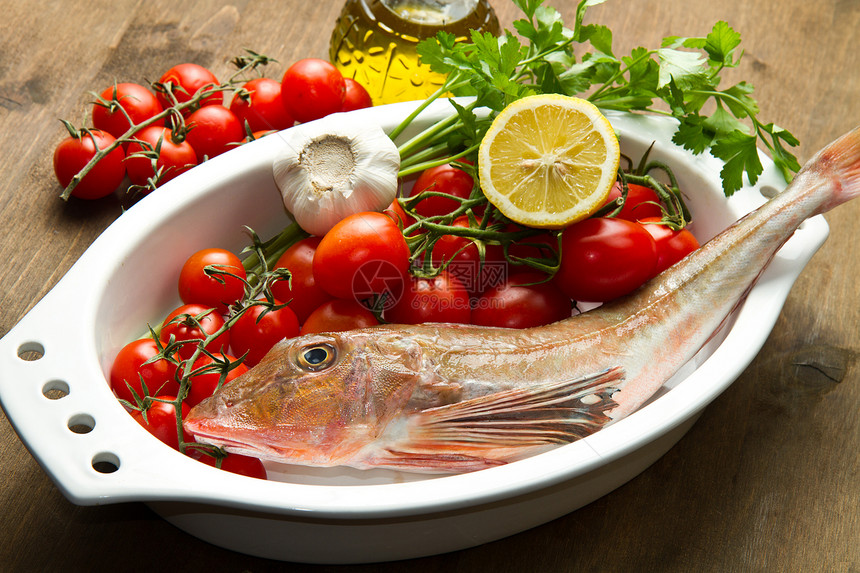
335,167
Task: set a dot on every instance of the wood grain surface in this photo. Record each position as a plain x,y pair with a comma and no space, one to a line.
767,480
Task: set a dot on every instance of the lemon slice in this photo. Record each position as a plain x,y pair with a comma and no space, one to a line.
548,160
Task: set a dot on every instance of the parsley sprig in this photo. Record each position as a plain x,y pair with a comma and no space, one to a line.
679,79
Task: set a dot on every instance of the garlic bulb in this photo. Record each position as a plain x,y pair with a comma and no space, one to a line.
334,167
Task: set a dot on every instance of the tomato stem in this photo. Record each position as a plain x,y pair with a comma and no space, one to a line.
258,292
272,249
173,111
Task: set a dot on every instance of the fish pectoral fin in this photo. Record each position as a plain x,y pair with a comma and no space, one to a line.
430,461
546,413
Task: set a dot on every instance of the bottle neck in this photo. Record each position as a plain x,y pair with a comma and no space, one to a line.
431,12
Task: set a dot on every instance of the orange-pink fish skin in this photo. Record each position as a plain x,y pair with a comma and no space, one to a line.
358,411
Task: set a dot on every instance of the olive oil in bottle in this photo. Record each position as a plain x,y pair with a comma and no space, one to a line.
374,42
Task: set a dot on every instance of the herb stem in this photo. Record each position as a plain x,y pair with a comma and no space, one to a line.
452,83
434,131
436,163
425,155
606,85
274,248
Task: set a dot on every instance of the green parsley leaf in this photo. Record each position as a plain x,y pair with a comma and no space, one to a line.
528,7
580,16
740,154
676,42
691,134
722,121
741,103
720,44
598,36
686,68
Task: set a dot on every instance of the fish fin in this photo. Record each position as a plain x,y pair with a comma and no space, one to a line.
433,461
841,161
546,413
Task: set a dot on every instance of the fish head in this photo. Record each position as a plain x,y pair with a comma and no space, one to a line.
314,399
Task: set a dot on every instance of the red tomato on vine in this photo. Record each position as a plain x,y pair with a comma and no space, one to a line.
641,202
465,262
399,215
259,104
363,255
160,420
338,315
522,301
304,294
234,463
192,324
73,154
442,298
129,368
186,80
602,259
174,156
213,130
312,88
139,104
448,179
203,385
218,289
258,330
672,246
355,97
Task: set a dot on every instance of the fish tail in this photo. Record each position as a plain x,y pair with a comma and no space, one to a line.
839,162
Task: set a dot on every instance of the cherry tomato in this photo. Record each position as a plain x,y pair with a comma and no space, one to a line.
174,157
356,97
465,257
672,246
217,290
212,130
128,368
447,179
542,246
522,301
244,465
439,299
302,291
364,254
337,315
399,215
256,335
312,88
161,421
234,463
138,102
204,385
641,202
72,155
259,104
186,80
188,323
602,259
258,134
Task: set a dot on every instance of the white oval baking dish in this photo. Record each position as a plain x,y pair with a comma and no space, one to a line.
128,278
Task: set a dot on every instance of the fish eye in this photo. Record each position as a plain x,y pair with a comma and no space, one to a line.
317,357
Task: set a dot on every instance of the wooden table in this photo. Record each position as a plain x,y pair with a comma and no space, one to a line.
767,480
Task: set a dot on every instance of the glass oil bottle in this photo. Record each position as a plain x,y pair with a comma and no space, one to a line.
374,42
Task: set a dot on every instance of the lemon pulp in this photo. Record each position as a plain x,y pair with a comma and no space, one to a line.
548,160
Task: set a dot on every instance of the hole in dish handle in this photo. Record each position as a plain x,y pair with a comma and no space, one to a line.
768,191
